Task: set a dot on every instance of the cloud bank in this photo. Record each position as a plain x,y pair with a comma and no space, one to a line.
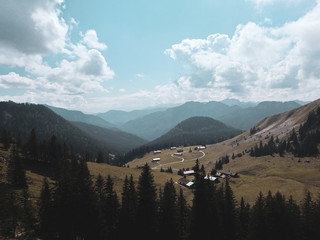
33,30
257,62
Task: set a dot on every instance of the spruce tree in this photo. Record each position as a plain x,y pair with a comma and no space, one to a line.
168,212
183,217
16,174
5,139
257,228
32,145
244,218
45,211
230,218
111,210
127,222
147,204
100,158
200,226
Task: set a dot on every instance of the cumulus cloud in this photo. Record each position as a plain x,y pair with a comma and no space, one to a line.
256,59
91,40
33,30
32,27
14,80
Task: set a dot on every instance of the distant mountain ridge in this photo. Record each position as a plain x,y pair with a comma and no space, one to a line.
118,117
77,116
156,124
196,130
248,117
22,118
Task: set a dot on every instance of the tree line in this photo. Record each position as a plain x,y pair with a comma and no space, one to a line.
303,143
77,206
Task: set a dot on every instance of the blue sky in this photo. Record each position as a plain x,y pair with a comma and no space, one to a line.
121,54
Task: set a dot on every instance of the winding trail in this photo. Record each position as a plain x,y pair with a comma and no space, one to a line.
182,160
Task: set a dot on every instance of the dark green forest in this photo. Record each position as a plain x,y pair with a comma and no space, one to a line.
76,206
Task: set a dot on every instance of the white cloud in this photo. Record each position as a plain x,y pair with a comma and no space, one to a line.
33,30
91,40
140,75
32,27
270,2
14,80
256,59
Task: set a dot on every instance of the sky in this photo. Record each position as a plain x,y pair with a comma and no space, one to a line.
100,55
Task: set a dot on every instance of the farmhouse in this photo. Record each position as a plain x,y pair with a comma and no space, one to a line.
200,148
155,159
187,173
185,182
231,174
178,154
212,179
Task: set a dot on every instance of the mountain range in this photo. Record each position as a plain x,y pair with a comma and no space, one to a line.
156,124
188,124
83,138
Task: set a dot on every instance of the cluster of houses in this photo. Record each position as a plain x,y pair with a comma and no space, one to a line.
189,183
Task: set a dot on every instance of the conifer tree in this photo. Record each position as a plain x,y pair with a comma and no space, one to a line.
28,217
147,204
293,223
45,211
100,158
168,212
183,217
99,189
200,209
230,218
111,210
244,218
258,224
5,139
308,218
127,222
16,173
32,145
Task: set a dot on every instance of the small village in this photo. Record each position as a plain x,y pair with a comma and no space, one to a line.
188,175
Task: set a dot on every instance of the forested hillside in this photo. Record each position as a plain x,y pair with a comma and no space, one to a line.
117,140
196,130
18,120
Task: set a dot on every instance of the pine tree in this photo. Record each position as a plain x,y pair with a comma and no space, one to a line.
258,222
111,210
32,145
147,204
100,158
128,211
293,224
45,211
230,218
201,209
308,218
28,217
244,220
168,212
183,217
16,173
5,139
